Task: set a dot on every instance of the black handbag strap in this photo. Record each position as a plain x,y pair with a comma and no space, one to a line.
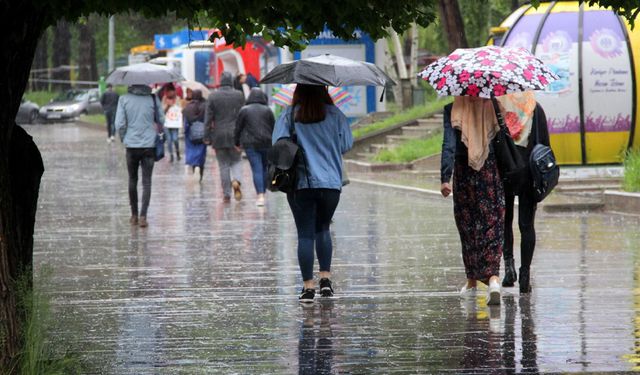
496,108
535,123
294,138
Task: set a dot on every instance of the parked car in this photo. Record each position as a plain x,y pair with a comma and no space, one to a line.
71,104
28,112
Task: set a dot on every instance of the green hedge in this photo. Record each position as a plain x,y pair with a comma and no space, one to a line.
632,171
40,97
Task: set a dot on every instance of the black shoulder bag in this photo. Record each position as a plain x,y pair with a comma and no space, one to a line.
513,168
283,158
159,144
545,172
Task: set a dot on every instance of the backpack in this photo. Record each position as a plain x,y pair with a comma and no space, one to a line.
196,132
544,170
283,158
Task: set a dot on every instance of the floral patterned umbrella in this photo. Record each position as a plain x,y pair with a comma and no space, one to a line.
487,72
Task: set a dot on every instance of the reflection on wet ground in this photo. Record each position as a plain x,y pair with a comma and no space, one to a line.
212,287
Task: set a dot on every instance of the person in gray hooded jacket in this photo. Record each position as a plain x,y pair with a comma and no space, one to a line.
253,132
136,125
222,110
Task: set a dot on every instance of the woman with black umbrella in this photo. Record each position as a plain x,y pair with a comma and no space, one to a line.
324,134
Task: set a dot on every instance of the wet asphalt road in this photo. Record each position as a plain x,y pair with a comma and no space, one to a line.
211,287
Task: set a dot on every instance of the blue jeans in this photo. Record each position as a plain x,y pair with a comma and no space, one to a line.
258,160
172,139
312,211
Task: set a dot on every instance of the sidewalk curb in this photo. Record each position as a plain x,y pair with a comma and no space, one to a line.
399,187
622,202
550,208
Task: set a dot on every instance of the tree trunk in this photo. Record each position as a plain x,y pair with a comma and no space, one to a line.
393,73
399,52
62,54
87,70
452,24
41,62
21,32
413,63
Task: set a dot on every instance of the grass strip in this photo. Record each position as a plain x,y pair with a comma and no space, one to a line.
413,113
97,119
411,150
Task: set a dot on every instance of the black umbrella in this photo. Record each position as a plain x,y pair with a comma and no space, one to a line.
328,70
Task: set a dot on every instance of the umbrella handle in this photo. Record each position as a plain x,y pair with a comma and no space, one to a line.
382,95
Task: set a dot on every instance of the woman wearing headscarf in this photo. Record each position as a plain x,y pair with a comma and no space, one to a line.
527,125
324,134
195,154
470,125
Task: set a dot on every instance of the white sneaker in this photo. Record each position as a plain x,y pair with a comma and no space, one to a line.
493,293
112,138
468,292
260,200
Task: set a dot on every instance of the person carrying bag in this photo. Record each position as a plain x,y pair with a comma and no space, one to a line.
139,124
316,126
527,127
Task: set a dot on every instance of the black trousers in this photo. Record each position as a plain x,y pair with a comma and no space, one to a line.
144,158
111,123
527,206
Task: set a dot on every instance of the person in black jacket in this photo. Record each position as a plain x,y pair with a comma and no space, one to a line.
527,124
109,101
253,132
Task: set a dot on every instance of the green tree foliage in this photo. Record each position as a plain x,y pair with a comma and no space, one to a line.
131,29
480,15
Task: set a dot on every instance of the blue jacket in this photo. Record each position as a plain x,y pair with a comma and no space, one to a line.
323,143
135,120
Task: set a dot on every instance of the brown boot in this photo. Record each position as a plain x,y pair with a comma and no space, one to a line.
143,222
133,220
237,193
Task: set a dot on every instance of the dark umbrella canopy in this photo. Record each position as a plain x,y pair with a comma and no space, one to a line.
328,70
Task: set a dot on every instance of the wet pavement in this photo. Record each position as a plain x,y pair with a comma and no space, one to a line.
211,287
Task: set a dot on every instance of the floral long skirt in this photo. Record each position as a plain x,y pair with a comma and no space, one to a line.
478,208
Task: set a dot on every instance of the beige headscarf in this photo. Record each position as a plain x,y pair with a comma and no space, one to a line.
476,120
517,110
